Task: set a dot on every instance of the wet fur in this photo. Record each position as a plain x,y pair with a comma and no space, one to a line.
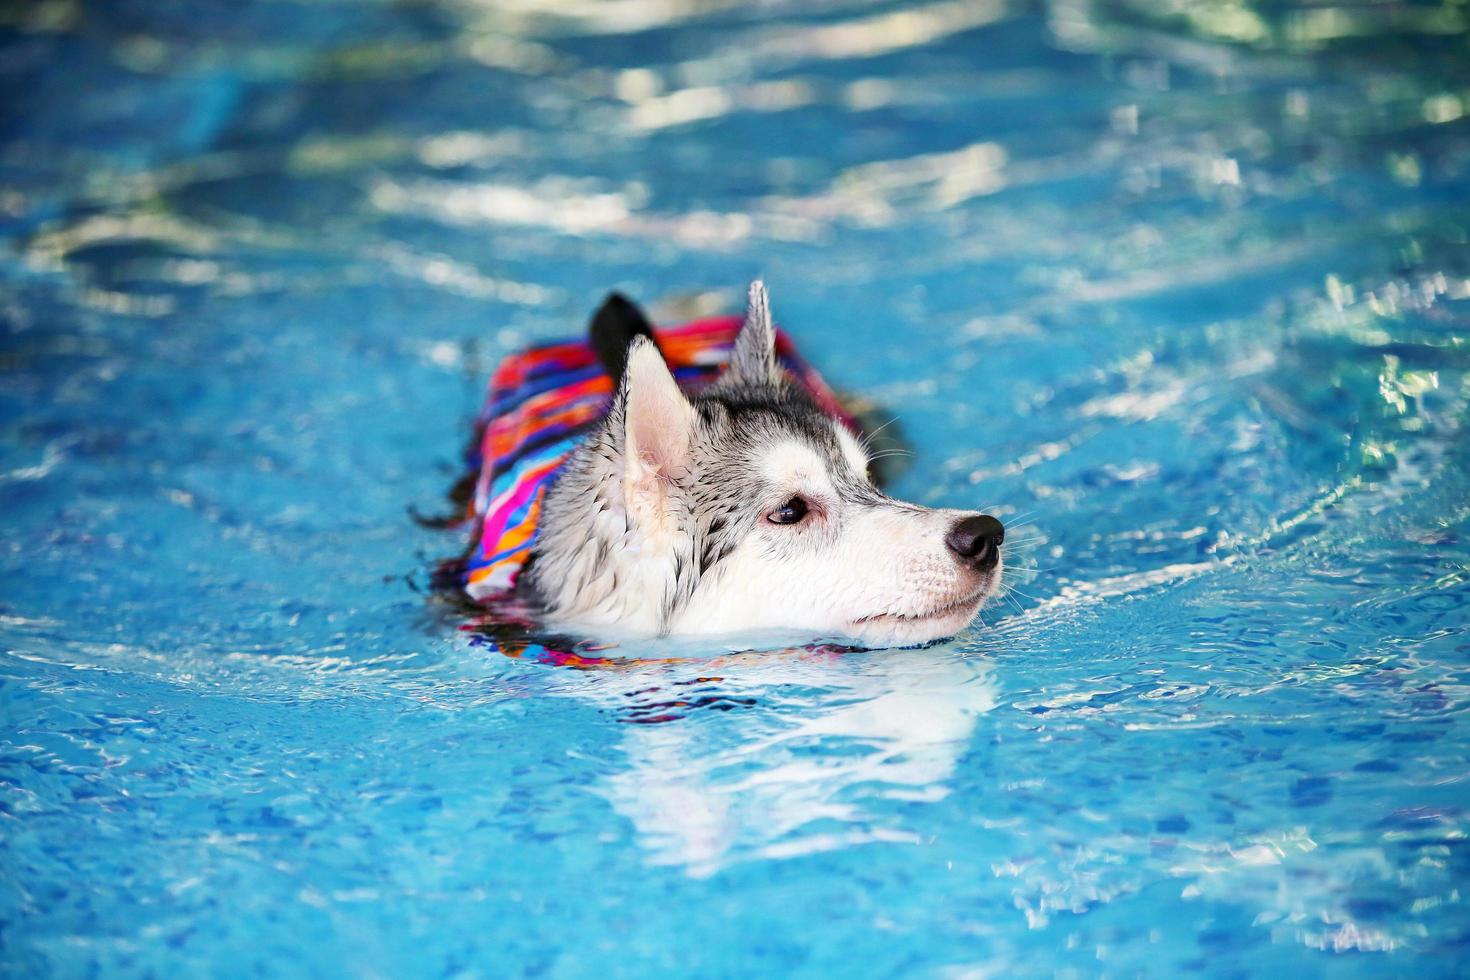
657,523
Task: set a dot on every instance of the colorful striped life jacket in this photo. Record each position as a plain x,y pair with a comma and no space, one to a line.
540,405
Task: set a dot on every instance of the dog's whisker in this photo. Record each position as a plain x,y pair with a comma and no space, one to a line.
867,440
1030,540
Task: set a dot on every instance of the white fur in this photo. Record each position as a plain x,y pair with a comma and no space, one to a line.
851,564
661,526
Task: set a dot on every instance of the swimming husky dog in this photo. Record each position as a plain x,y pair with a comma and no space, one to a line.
742,507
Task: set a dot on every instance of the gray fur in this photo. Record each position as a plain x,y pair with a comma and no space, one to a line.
714,501
753,406
753,356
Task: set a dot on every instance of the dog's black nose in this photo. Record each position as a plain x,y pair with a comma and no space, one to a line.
976,540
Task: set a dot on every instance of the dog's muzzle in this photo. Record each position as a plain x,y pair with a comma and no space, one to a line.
975,541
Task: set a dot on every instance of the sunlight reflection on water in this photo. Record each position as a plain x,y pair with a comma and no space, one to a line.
1179,292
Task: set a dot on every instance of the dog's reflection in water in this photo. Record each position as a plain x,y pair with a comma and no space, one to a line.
776,753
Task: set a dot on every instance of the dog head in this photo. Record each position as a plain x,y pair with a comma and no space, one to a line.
745,507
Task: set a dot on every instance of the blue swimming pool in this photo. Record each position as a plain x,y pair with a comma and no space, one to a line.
1185,298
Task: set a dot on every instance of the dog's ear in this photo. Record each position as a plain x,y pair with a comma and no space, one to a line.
753,358
658,422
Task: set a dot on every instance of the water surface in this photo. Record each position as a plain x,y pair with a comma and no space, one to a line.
1184,299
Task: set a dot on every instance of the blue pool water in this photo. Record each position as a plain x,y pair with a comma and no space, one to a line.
1184,298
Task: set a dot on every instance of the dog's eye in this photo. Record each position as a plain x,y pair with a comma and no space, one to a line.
788,513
